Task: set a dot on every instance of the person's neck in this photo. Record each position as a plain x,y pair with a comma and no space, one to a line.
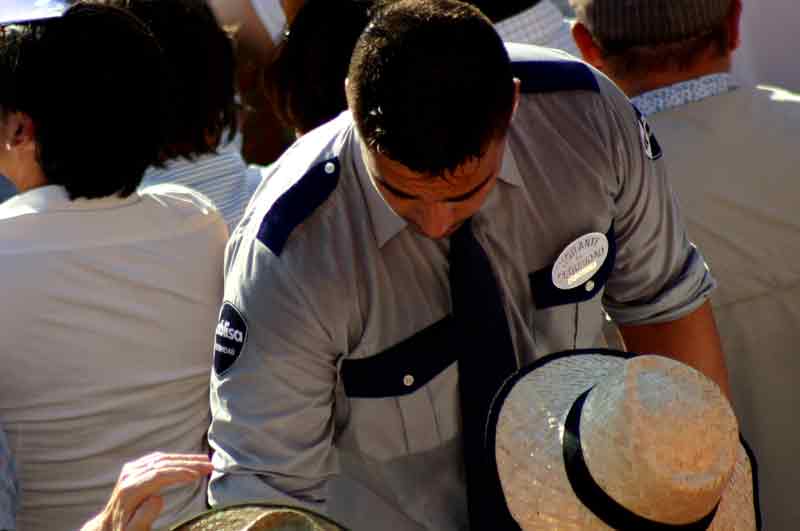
28,180
664,78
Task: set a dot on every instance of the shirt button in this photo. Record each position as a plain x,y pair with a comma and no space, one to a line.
590,285
408,380
330,167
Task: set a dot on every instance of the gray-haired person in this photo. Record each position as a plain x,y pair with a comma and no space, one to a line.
733,164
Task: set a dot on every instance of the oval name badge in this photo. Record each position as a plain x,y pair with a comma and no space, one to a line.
580,260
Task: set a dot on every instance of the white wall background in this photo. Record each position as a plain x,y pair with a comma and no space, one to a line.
770,51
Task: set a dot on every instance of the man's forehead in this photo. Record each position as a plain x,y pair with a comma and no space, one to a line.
21,11
492,156
468,177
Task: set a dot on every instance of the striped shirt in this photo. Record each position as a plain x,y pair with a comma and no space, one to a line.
542,24
223,178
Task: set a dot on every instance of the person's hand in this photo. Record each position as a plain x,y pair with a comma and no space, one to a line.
135,502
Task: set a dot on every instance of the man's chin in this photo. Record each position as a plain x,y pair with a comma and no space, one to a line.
449,232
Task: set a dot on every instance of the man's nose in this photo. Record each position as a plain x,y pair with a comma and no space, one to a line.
436,219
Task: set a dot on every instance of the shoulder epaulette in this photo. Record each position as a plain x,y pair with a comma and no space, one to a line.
554,76
298,203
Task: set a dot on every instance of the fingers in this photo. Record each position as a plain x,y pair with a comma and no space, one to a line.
155,471
135,497
146,514
155,458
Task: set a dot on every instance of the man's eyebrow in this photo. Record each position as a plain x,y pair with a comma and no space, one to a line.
462,197
395,191
472,192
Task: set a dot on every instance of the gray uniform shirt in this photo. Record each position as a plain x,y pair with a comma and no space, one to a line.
321,271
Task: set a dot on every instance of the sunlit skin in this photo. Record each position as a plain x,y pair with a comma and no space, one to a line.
18,162
436,205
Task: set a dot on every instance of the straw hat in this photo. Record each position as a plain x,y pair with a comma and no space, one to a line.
598,440
258,517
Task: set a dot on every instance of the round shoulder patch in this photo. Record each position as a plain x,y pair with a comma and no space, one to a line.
229,339
580,260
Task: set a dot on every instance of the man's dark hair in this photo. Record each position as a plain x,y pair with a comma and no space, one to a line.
305,82
202,72
625,61
91,83
430,84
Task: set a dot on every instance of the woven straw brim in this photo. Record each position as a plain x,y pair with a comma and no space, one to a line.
258,517
530,415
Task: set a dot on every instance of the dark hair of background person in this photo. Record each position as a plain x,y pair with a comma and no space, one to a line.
430,84
202,72
499,10
625,60
305,82
90,82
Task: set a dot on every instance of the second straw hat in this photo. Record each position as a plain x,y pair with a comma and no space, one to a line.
599,440
258,517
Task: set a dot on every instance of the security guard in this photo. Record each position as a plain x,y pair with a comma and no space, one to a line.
402,260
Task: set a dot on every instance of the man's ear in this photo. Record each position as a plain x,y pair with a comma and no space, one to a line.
19,131
590,51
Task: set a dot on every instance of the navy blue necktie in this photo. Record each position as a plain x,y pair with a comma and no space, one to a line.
486,360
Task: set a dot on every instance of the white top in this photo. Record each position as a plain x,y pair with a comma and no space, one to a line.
105,326
733,161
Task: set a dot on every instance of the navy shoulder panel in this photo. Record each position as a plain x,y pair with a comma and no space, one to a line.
554,76
298,203
546,70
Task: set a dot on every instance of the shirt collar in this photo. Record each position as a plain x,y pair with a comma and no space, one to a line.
53,198
386,224
682,93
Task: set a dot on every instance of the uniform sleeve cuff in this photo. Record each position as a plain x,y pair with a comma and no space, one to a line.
683,296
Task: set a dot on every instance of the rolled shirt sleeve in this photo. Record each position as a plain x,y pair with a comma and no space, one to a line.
659,275
272,408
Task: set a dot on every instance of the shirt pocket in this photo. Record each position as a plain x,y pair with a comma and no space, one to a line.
570,318
404,400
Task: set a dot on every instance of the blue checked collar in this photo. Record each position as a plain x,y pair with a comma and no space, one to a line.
684,92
